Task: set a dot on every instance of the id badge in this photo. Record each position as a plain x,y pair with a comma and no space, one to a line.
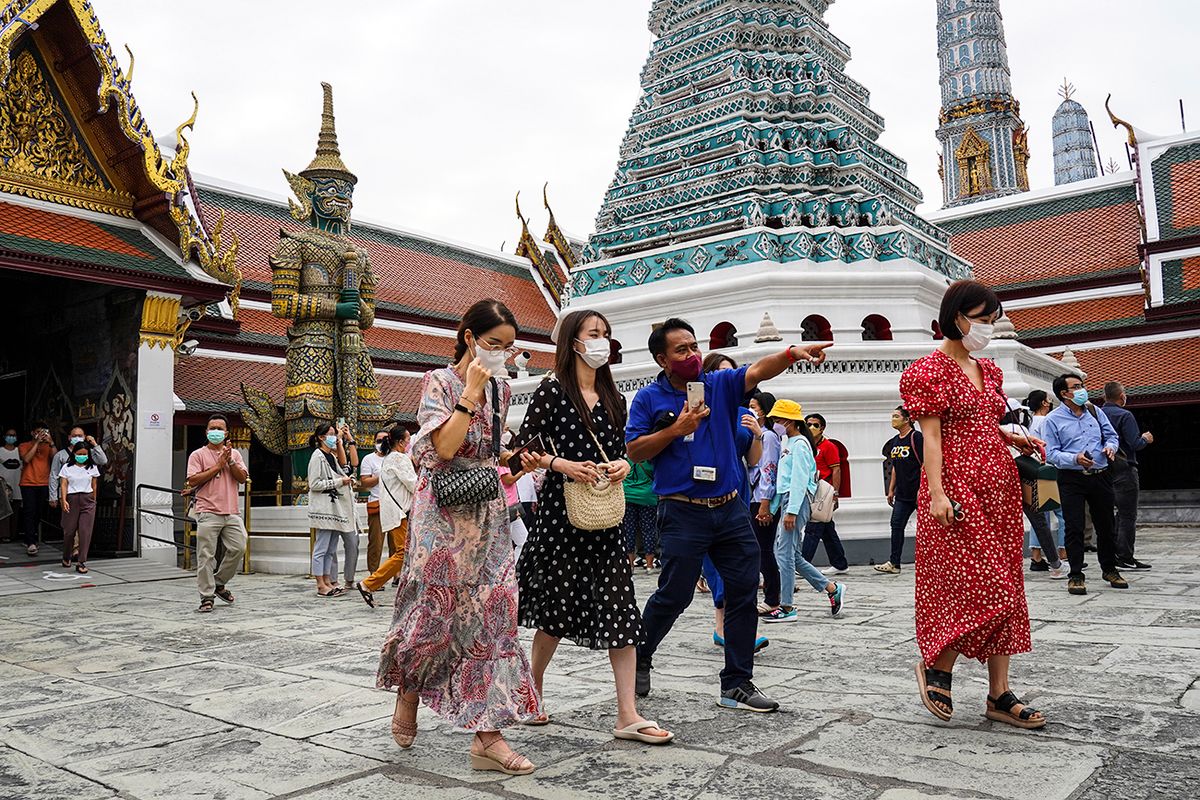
705,474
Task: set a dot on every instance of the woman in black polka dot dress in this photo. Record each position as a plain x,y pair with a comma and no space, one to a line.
575,584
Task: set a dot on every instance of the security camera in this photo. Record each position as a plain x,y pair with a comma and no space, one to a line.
188,347
195,313
522,360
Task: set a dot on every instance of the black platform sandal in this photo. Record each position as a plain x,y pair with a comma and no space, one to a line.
206,605
1000,709
929,679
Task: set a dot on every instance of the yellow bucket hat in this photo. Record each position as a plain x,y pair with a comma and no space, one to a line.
786,409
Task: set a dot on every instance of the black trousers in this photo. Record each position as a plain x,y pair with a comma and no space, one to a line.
1125,487
768,566
34,502
1096,491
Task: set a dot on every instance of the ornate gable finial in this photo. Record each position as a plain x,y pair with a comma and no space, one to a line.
767,332
327,163
1067,90
1118,122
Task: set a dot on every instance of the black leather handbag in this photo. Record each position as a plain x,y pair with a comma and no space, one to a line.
471,487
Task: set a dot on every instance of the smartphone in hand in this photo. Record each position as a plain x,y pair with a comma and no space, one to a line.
695,394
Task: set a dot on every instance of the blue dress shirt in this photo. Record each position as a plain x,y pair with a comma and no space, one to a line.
1067,435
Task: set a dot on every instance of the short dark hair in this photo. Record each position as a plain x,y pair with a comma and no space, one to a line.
1113,390
1060,383
817,417
904,412
481,317
1035,399
658,337
221,417
961,297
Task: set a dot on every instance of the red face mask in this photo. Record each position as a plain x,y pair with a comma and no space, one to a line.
689,369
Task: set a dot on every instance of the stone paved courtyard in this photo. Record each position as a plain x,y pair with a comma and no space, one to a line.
122,690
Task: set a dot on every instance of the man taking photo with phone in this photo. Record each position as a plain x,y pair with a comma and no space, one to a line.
697,473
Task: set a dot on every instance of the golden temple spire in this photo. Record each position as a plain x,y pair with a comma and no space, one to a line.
327,163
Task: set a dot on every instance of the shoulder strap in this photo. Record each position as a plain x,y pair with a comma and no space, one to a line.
495,419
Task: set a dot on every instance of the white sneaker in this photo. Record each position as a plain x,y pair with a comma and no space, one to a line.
834,571
1060,573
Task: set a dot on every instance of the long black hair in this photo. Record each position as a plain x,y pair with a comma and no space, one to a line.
480,318
396,435
566,370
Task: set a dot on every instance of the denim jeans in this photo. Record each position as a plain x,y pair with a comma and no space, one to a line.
687,533
901,511
324,556
1062,526
350,545
790,559
817,532
1045,538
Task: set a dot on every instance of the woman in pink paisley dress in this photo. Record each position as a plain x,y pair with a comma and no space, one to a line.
453,640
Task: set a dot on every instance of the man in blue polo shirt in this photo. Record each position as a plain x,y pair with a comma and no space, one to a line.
697,475
1082,443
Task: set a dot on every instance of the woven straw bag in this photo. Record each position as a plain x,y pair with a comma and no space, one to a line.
592,507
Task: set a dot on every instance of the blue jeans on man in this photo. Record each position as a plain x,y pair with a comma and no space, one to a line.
817,532
687,532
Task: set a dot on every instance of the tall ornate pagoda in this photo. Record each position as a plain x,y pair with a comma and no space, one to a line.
1074,149
985,147
751,182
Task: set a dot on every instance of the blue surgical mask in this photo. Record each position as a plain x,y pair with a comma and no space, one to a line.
331,441
10,440
76,439
1080,396
80,459
216,436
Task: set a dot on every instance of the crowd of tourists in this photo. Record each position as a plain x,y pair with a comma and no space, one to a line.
703,479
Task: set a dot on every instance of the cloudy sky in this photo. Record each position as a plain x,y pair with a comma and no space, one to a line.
446,109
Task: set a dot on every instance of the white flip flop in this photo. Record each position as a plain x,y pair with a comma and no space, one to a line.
634,733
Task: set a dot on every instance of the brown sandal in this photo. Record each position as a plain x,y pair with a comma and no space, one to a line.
1000,709
929,679
404,732
512,764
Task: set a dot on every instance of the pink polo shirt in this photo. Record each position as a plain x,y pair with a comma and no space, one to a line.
219,495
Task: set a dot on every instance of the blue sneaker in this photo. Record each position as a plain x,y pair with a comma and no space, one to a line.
780,615
836,598
761,643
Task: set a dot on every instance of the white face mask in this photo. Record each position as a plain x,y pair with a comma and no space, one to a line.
596,352
492,360
978,337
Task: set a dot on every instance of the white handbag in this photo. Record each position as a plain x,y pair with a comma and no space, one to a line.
823,502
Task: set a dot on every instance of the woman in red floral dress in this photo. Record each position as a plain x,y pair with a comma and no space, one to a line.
970,587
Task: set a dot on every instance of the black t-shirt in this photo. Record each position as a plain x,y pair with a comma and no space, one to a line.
906,455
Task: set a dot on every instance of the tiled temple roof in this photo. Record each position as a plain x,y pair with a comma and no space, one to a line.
207,384
1088,234
1146,368
1078,317
388,345
415,277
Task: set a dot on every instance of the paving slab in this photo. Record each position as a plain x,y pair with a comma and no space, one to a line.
991,762
123,690
28,778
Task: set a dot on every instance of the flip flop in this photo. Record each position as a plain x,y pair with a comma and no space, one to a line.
539,721
634,733
367,597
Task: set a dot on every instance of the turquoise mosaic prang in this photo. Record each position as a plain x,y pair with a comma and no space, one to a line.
753,247
747,120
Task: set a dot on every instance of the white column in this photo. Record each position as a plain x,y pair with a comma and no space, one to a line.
155,419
